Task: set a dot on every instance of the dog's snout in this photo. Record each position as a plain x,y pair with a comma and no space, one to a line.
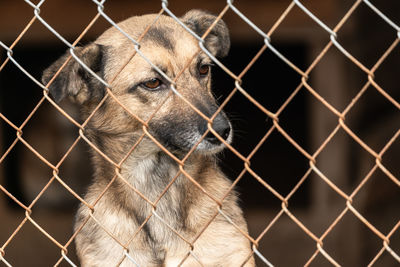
221,126
210,137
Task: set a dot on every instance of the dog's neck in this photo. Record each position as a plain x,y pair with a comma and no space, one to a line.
149,171
151,176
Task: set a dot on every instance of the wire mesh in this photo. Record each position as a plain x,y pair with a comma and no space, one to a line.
240,88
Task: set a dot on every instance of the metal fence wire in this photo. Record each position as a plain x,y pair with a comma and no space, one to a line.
304,86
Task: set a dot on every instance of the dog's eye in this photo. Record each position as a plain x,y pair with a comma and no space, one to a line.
152,84
204,70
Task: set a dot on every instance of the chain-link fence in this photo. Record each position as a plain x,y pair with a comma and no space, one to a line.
324,160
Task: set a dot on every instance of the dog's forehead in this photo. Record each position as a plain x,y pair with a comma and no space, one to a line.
166,44
164,31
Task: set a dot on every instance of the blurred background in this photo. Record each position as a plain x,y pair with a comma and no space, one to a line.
270,81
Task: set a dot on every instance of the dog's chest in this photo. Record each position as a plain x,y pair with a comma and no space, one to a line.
167,209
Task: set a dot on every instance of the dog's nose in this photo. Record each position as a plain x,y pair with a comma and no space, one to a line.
210,137
222,127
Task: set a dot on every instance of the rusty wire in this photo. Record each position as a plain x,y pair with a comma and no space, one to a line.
240,88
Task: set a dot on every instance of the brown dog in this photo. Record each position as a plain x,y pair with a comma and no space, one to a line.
140,88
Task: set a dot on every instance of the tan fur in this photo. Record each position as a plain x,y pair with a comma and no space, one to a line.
184,207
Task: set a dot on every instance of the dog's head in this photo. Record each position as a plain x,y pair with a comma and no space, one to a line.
141,89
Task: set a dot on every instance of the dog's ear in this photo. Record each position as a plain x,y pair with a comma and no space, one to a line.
217,41
74,80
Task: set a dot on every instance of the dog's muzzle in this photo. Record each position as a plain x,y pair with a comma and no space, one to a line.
188,132
221,126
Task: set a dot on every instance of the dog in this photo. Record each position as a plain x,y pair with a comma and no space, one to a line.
121,215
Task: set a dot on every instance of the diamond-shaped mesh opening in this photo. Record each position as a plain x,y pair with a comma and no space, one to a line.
288,240
335,85
263,22
52,220
14,83
330,17
255,195
11,222
263,164
48,9
293,16
338,157
337,245
323,217
30,241
376,204
9,11
379,122
17,180
372,45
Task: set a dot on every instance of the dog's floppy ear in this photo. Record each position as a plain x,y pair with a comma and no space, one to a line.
217,41
74,80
